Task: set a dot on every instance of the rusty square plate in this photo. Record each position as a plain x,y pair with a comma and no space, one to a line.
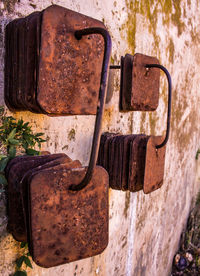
134,168
112,158
101,149
10,64
139,86
15,210
21,69
47,69
66,226
118,167
7,68
128,139
115,163
70,69
154,165
58,164
33,22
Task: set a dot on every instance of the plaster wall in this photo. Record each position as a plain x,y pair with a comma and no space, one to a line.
144,229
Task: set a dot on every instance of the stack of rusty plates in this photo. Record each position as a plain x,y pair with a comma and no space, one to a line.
47,69
60,225
139,89
132,161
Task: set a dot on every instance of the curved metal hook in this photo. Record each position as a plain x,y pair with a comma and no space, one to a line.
169,100
101,103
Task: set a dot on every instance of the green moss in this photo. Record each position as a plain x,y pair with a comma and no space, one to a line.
182,132
9,5
176,17
127,203
130,26
71,134
142,121
167,11
171,50
152,121
189,3
150,10
195,36
130,123
112,60
167,6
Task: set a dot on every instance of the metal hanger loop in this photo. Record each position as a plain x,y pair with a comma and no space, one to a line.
169,101
101,103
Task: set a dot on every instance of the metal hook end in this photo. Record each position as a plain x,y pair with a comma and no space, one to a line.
169,100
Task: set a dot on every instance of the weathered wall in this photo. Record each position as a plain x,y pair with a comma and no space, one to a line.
144,229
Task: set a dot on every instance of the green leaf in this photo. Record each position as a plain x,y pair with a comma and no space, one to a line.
25,125
12,134
12,151
2,156
20,273
32,152
2,109
39,134
3,163
3,180
20,261
23,244
13,141
28,262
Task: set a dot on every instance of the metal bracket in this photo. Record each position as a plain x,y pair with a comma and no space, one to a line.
100,108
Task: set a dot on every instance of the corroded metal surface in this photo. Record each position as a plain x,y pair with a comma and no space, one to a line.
58,164
132,161
70,69
139,85
18,168
47,69
136,163
65,225
154,165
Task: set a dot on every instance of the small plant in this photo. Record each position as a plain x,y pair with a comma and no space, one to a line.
23,261
16,137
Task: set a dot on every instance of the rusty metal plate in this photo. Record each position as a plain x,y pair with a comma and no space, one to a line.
31,56
58,164
66,226
23,158
135,170
15,209
128,139
48,70
112,160
9,64
139,85
154,165
70,69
